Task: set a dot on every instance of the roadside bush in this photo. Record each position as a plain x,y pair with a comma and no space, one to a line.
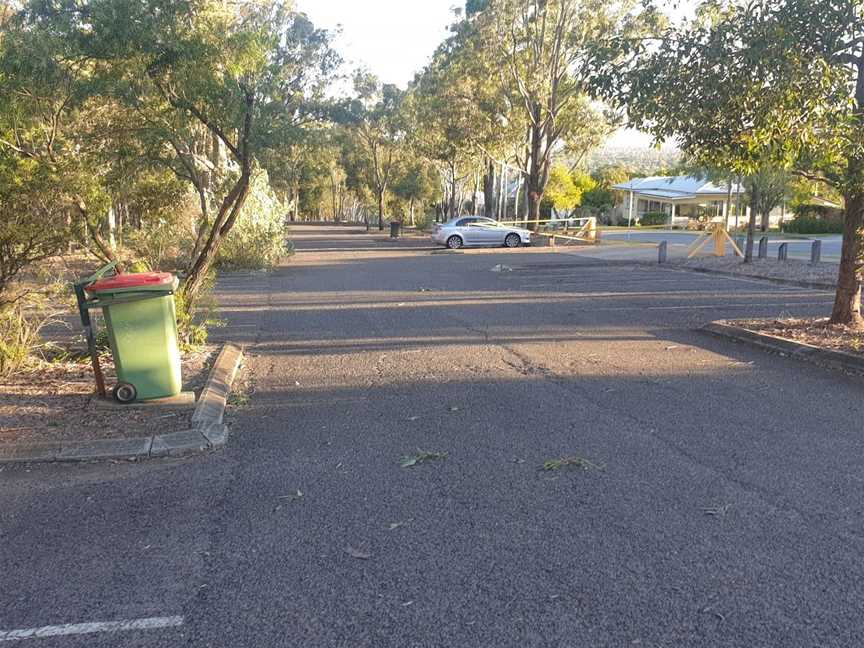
162,244
20,326
654,218
193,325
811,225
258,239
424,221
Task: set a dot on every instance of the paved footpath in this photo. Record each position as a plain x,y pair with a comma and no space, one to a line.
723,506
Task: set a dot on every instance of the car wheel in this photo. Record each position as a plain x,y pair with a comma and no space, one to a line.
512,241
454,242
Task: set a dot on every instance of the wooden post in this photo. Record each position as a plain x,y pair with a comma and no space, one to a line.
783,252
763,247
661,252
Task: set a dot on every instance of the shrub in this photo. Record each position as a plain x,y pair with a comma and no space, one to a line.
20,325
654,218
193,325
257,241
159,246
811,225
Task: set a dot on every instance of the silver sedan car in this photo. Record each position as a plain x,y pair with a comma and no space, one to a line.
477,231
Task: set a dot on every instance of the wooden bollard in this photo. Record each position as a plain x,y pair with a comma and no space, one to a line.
661,252
783,252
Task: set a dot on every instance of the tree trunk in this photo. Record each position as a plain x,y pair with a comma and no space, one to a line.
738,201
751,225
489,190
534,185
728,203
381,210
847,300
452,203
228,213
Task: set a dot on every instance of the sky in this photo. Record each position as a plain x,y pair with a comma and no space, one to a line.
396,38
393,38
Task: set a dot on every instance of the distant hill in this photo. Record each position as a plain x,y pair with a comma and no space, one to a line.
642,160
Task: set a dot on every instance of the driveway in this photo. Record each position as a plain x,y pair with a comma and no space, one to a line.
719,502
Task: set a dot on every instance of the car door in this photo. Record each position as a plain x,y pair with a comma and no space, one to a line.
489,232
469,233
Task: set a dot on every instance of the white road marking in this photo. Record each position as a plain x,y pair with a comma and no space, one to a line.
151,623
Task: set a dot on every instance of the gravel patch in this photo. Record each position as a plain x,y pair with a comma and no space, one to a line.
792,270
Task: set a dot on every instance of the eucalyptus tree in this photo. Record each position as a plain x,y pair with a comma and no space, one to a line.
198,82
761,84
375,123
547,52
466,118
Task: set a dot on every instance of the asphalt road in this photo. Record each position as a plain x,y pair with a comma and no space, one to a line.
723,504
799,248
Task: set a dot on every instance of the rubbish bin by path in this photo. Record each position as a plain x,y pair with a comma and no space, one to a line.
141,320
395,229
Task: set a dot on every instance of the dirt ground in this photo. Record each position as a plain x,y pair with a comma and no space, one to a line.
817,332
53,398
793,269
56,401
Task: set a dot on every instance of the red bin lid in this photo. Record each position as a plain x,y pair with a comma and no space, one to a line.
132,282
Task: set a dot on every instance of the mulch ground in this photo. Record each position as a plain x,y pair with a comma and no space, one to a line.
816,332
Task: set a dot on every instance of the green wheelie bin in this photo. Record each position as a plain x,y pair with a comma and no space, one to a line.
141,321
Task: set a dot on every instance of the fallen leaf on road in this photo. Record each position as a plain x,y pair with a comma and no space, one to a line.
454,409
413,418
575,462
356,553
718,511
421,456
407,603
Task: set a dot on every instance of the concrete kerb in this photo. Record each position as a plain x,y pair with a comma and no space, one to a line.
826,358
208,431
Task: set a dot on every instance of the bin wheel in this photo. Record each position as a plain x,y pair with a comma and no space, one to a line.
125,393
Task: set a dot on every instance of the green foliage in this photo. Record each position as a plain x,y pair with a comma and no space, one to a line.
258,239
811,225
654,218
193,324
163,244
564,191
